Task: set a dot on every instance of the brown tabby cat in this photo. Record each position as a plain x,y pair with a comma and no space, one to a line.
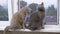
37,18
18,18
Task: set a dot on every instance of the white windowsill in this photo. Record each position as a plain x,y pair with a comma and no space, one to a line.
3,24
49,28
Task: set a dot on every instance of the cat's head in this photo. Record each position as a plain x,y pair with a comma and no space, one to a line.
41,7
25,10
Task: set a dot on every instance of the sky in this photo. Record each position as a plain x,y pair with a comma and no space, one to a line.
3,2
46,2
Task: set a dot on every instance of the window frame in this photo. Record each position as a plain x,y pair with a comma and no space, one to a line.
14,8
6,23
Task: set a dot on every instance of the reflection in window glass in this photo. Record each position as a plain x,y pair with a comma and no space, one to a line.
50,9
3,10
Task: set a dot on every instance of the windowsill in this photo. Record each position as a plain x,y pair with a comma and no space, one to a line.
3,24
49,28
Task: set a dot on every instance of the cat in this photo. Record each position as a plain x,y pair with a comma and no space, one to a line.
37,18
18,19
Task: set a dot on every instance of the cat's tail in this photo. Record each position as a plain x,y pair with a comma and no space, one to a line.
6,30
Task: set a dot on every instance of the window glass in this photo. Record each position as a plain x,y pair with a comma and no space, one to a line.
4,10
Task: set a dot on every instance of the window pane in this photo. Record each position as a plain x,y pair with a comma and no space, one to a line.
50,9
3,10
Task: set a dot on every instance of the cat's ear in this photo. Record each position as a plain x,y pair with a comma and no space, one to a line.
42,3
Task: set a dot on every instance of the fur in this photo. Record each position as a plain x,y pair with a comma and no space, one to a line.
37,18
17,21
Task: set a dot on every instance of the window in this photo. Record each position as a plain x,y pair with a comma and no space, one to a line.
51,9
51,12
10,7
3,10
5,13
